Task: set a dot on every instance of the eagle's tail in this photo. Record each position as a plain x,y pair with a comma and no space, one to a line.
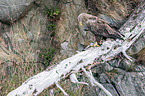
118,35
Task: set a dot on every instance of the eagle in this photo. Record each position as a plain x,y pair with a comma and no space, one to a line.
99,27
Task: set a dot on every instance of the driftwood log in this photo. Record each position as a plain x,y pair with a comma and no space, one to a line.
132,29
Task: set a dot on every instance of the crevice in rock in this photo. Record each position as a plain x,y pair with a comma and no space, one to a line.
114,87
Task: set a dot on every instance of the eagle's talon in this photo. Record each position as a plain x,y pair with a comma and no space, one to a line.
100,43
95,44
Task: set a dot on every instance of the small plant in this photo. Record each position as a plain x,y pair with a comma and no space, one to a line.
51,27
52,12
46,55
53,16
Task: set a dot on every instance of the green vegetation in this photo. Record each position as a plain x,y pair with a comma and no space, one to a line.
53,16
46,55
52,13
51,27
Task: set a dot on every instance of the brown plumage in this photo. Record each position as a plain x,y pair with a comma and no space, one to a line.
101,29
98,27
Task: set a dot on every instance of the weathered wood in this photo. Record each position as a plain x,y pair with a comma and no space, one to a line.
132,30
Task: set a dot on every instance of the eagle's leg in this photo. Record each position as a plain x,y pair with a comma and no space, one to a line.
98,39
97,43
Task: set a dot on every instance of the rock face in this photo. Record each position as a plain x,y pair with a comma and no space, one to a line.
23,31
124,83
68,30
14,10
27,33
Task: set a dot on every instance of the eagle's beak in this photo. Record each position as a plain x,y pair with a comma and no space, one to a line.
81,24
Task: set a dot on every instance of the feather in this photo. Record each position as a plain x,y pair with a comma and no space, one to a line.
99,27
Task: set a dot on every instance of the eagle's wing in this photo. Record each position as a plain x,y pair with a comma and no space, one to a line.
104,30
98,29
98,39
101,28
112,32
105,22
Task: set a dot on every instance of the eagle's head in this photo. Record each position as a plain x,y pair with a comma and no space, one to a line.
84,17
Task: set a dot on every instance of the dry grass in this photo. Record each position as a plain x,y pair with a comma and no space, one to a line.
18,60
21,72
